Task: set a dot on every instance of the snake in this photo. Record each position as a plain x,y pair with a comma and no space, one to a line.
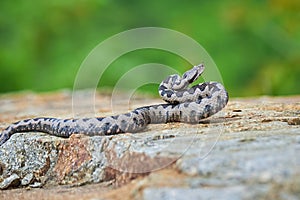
184,104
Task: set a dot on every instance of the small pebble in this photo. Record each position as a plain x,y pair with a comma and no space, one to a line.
11,181
27,179
36,185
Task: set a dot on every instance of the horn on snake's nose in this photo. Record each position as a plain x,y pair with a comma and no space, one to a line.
200,68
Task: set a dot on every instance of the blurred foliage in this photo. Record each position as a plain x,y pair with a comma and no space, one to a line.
255,44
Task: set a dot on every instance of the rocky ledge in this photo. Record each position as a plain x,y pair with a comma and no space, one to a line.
250,150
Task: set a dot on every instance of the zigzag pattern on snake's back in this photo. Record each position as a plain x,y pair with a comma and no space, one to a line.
184,104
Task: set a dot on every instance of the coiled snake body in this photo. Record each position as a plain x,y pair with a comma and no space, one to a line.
184,104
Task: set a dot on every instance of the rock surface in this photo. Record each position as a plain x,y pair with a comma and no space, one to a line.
250,150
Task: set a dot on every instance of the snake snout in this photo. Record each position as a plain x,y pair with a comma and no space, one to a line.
200,68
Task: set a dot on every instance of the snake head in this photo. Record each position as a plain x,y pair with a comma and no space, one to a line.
194,73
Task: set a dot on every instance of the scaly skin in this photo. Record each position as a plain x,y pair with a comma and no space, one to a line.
188,105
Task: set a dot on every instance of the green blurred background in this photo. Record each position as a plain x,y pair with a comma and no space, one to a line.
255,44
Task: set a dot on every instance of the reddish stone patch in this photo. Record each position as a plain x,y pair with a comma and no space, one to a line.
72,155
132,165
